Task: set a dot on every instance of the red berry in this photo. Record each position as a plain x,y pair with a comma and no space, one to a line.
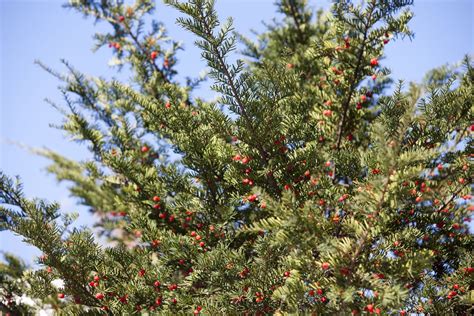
344,271
202,244
456,286
347,44
286,274
141,272
398,253
172,287
156,198
374,62
156,284
96,278
245,160
252,198
325,265
123,299
153,55
168,105
99,296
61,295
145,149
327,113
370,308
121,18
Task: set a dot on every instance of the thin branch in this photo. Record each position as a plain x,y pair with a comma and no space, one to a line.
145,52
263,153
453,196
294,15
134,38
345,106
363,240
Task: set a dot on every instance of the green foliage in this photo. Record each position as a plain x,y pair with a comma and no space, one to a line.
304,188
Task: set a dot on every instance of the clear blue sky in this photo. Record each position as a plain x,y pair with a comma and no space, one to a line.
43,30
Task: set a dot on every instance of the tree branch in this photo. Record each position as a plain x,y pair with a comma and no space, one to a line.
230,82
294,15
355,80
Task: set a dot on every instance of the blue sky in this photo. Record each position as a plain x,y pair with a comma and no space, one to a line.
43,30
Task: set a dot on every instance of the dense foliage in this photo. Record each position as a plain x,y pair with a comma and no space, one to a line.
305,188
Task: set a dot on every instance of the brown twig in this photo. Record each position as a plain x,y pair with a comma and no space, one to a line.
453,196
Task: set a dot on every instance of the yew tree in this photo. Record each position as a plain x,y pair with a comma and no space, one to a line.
314,183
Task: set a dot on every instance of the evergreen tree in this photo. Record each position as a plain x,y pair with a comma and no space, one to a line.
305,188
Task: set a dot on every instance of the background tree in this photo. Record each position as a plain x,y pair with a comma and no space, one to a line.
304,188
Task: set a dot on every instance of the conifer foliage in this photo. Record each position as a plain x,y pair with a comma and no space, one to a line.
305,188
